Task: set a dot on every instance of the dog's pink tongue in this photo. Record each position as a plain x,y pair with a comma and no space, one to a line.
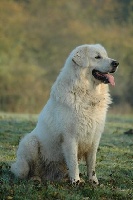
111,79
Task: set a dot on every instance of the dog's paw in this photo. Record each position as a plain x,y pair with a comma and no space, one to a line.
93,180
78,182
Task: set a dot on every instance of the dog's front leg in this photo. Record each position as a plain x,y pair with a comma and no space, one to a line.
91,161
70,150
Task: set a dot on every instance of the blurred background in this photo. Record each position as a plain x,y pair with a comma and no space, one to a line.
36,36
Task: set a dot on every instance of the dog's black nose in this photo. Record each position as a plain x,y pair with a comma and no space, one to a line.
114,63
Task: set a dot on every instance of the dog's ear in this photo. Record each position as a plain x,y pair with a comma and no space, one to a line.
81,57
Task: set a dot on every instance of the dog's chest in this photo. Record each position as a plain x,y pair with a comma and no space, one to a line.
90,118
90,107
89,127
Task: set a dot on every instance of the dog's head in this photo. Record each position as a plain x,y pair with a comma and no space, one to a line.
95,58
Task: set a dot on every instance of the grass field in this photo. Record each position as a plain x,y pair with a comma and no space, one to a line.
114,164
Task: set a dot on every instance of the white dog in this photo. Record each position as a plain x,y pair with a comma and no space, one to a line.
70,125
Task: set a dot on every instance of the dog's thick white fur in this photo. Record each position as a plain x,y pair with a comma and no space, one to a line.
71,123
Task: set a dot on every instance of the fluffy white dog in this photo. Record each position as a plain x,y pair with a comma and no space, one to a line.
71,123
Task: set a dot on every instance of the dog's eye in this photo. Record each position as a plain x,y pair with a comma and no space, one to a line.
98,57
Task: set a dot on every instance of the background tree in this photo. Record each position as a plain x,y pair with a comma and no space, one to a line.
37,36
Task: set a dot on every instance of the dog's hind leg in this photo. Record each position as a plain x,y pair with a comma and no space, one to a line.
27,155
20,168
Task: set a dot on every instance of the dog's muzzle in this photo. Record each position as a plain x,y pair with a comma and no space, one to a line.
106,77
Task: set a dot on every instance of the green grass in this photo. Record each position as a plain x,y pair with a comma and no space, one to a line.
114,164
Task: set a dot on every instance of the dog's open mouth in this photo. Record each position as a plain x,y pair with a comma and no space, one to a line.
103,77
